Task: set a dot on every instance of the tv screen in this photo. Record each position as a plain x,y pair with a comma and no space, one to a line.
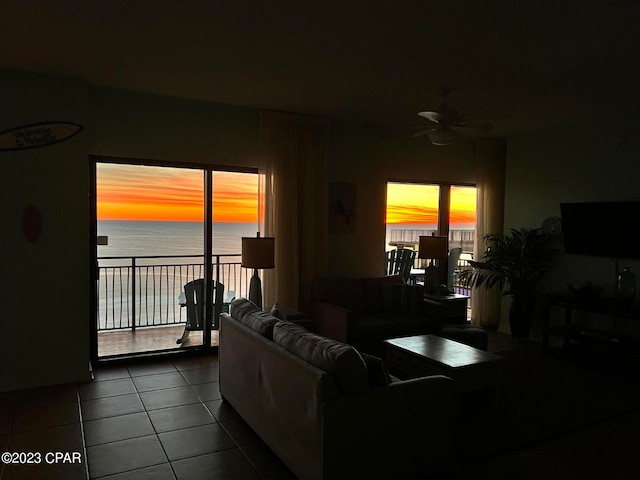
603,229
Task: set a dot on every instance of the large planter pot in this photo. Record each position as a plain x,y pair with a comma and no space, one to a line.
521,316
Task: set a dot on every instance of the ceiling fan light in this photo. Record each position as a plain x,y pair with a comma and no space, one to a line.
443,136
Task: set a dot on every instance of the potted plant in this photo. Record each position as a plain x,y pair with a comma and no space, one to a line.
515,262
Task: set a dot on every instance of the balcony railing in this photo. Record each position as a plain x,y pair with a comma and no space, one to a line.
144,291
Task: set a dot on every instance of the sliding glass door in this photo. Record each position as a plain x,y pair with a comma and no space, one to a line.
425,209
164,235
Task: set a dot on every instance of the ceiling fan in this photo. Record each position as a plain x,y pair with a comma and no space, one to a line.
446,124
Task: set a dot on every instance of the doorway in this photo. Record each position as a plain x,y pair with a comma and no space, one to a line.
157,228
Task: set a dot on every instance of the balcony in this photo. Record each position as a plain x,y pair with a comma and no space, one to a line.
139,305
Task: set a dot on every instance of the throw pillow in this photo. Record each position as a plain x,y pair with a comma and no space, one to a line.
275,311
249,314
342,361
414,299
376,371
408,299
261,322
240,307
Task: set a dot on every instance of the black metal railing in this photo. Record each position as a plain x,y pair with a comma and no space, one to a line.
144,291
463,264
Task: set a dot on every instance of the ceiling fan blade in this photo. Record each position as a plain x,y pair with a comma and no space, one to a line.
422,132
434,117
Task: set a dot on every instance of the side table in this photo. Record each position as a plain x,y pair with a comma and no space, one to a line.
449,308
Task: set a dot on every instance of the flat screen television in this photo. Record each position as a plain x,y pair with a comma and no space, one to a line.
602,229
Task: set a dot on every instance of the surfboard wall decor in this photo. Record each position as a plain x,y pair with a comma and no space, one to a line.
37,135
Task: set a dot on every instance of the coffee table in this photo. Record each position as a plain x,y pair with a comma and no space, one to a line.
420,355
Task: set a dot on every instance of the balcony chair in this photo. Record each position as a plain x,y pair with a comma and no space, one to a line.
400,262
452,262
194,301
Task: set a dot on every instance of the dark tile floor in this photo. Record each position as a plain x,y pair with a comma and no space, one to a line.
165,420
161,420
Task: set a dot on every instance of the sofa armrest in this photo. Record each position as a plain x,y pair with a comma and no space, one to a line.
332,321
405,429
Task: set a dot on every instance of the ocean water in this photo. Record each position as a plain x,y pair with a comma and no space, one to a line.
154,294
129,238
150,293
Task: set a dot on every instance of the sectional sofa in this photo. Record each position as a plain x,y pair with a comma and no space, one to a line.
365,311
327,410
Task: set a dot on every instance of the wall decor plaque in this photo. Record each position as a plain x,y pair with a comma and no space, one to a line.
37,135
342,207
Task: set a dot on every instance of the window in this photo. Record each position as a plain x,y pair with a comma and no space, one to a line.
418,209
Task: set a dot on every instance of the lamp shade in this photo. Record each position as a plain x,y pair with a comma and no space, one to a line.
433,247
258,252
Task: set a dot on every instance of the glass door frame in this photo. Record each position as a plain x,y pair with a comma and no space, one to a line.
207,170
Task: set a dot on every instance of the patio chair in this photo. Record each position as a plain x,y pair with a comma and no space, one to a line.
194,301
400,261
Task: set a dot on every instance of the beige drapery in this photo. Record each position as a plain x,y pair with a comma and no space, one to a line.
490,154
294,203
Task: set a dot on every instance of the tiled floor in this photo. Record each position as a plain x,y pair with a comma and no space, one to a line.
160,420
165,420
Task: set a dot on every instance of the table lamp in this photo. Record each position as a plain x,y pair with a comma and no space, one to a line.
433,248
257,252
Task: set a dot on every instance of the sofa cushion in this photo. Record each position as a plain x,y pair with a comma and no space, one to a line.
342,361
372,290
249,314
376,371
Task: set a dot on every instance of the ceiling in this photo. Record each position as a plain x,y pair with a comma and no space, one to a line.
522,65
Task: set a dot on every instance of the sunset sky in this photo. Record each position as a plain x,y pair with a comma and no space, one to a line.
414,203
134,192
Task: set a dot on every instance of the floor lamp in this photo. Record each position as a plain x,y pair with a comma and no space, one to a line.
257,252
433,248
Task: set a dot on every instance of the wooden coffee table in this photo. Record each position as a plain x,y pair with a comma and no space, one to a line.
421,355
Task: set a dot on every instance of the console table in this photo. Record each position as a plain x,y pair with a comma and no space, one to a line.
611,337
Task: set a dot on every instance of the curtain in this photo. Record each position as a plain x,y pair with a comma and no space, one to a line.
486,303
294,204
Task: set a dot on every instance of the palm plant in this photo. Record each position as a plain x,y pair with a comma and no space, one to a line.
515,263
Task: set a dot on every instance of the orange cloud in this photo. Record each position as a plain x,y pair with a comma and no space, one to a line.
418,204
133,192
